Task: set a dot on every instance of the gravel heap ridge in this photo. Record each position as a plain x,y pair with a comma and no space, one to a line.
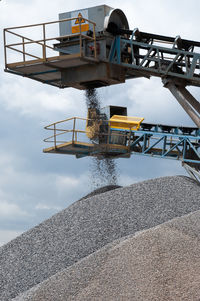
88,225
101,190
159,264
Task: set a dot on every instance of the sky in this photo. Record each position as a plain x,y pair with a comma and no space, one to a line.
34,185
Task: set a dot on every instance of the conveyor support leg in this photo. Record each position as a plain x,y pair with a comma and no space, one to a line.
193,172
186,100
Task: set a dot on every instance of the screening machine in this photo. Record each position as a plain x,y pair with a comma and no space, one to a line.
94,47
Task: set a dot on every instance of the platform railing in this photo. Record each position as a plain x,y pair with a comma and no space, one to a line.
75,130
57,132
148,143
23,41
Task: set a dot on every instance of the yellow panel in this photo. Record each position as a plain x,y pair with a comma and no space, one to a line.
125,122
76,29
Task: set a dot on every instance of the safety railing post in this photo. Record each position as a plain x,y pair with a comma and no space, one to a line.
54,129
5,49
44,43
23,48
74,126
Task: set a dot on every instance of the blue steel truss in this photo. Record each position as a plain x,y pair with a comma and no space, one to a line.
169,145
156,60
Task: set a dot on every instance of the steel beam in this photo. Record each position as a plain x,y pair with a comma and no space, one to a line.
194,174
185,99
190,98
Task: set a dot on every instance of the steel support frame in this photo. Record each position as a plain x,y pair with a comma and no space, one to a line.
166,146
157,60
185,99
176,67
193,173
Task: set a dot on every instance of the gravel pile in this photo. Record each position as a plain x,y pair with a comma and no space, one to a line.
160,264
101,190
90,224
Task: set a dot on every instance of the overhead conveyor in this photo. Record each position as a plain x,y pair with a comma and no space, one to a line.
95,47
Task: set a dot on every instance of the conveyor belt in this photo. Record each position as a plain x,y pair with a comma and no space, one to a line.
163,128
145,36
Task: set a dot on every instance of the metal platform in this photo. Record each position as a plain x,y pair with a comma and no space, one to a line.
49,71
68,63
155,140
81,149
38,59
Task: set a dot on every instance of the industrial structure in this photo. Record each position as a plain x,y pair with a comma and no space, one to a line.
94,48
121,136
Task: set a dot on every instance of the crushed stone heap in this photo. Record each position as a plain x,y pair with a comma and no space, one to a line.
162,263
90,224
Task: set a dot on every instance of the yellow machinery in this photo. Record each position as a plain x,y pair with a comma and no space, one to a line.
97,125
125,122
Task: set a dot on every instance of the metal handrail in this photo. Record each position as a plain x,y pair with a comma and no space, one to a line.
49,39
74,131
42,42
64,120
52,127
47,23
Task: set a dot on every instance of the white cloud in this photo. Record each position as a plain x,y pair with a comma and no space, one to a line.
67,181
43,206
10,210
30,100
72,185
6,159
126,180
155,103
23,192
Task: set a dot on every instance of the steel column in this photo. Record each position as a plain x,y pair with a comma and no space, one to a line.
181,97
194,174
190,98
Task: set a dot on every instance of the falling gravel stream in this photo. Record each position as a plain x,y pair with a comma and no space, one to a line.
102,172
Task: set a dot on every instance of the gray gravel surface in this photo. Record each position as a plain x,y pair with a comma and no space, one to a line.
160,264
101,190
90,224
